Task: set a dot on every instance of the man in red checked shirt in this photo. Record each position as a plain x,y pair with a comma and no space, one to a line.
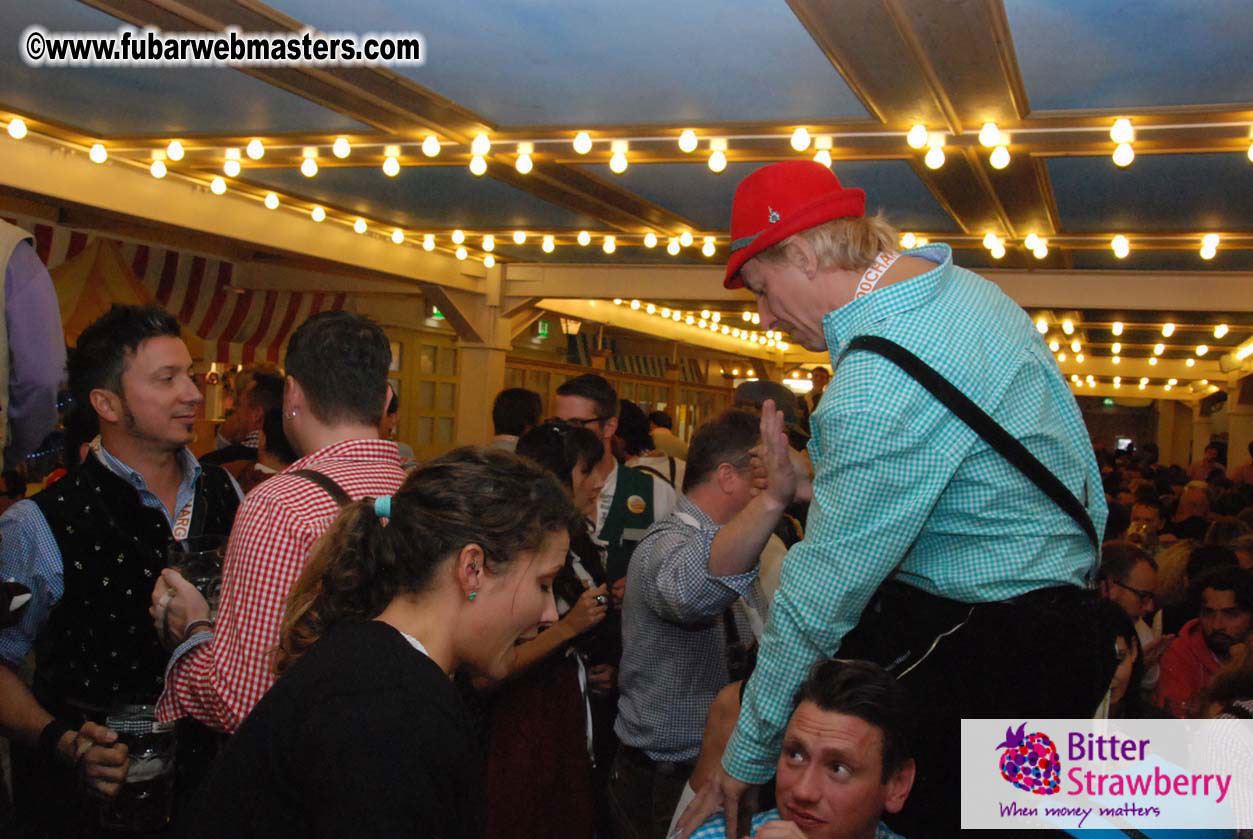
335,395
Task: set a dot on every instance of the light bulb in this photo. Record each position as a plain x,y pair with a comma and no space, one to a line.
823,156
428,242
548,245
1158,349
1152,360
480,145
582,142
650,308
1041,251
255,149
725,330
157,168
672,247
618,162
1220,330
708,249
1251,152
908,241
746,316
650,240
1121,246
689,320
685,238
1124,154
934,157
1031,242
1074,378
458,237
610,245
271,201
1061,356
1068,326
989,240
1190,362
340,147
989,135
398,236
1079,358
687,141
917,136
489,243
756,319
1116,359
715,316
1116,348
717,161
318,214
519,237
1202,349
781,346
17,128
461,252
217,186
524,164
800,139
1116,328
231,168
359,226
1042,326
998,252
1122,132
1075,346
999,157
174,151
1210,240
1054,345
635,305
584,238
98,153
665,311
308,167
1168,329
391,167
489,261
1208,253
478,165
430,146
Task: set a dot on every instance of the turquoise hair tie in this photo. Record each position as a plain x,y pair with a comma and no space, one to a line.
383,506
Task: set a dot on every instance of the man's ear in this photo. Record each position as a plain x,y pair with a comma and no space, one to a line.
611,427
293,397
802,254
898,787
107,404
725,474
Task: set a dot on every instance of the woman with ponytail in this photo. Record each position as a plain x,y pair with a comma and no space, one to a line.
363,734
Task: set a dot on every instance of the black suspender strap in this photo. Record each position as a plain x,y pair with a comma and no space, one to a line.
334,490
983,425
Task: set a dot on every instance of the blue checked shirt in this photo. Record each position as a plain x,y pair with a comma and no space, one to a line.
716,827
673,641
905,490
29,552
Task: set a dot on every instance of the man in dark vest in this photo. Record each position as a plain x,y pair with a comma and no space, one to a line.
89,548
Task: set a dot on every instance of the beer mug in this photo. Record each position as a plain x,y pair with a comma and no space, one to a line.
145,801
199,560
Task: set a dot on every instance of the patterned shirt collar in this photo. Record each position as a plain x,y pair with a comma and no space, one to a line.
366,451
850,320
186,461
686,505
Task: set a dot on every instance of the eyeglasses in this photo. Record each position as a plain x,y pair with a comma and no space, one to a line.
583,422
1145,596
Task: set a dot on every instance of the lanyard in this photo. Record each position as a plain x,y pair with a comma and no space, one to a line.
874,273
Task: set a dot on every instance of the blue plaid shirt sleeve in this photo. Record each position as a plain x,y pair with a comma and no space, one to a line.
875,484
29,555
680,588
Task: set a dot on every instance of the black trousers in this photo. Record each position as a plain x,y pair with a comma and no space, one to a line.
1036,656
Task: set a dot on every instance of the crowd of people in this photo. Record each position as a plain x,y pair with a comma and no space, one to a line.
590,627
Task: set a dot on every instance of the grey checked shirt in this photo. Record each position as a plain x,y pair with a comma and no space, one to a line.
674,645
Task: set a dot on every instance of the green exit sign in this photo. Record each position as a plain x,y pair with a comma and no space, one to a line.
436,313
1109,403
541,329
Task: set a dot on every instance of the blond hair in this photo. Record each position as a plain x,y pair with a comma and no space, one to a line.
844,244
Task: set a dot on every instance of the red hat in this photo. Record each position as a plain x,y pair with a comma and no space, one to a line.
781,199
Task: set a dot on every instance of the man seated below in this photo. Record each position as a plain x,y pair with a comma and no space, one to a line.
1204,644
846,759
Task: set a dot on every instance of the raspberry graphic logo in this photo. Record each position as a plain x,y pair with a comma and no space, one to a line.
1030,762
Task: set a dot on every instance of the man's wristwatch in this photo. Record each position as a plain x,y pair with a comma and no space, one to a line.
51,736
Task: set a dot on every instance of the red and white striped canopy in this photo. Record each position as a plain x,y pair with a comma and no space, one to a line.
236,325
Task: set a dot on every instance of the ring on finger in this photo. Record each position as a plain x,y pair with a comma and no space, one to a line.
165,599
601,600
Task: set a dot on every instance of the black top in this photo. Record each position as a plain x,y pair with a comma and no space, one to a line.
363,737
229,454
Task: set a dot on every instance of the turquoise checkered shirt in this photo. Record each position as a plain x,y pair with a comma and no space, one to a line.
716,827
905,490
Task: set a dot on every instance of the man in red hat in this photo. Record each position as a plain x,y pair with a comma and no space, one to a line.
937,546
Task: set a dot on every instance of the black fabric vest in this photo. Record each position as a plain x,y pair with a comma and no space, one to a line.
99,641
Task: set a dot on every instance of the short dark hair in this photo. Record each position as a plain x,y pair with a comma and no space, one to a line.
276,442
341,361
1234,579
515,410
105,347
266,391
726,438
559,448
661,419
1207,558
633,428
15,484
593,387
864,690
1119,558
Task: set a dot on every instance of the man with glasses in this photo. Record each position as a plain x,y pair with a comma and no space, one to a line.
1128,576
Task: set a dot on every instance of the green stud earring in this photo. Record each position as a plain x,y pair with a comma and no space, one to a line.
473,594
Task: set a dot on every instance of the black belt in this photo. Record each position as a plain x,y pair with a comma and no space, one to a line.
661,767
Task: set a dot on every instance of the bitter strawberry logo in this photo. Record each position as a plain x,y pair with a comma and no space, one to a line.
1030,762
